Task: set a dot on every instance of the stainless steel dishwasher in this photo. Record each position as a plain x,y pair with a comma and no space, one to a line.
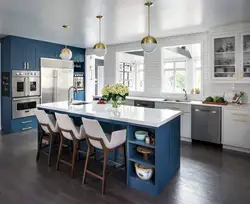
206,123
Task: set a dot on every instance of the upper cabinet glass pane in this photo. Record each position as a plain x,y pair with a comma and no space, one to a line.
246,56
224,57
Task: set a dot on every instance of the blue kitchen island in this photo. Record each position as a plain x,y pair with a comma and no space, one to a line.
164,124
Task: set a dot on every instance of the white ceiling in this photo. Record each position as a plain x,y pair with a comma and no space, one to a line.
124,20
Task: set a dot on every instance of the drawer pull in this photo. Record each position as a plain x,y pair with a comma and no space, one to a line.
238,120
28,121
27,128
240,114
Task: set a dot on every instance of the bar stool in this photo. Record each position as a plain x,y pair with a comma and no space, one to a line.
98,139
69,131
49,127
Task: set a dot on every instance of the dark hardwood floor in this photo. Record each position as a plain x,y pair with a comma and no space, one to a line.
207,175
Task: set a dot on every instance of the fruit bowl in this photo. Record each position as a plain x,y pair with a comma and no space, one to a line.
140,135
144,173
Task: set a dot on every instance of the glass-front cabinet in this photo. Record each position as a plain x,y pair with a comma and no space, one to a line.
245,65
224,57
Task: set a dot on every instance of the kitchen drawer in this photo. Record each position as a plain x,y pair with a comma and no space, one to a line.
236,128
186,108
23,124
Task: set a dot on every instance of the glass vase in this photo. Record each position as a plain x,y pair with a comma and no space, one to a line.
115,104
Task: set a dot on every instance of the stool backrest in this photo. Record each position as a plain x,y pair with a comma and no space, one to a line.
46,120
94,130
66,123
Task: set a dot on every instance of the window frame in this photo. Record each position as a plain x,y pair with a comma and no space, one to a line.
174,69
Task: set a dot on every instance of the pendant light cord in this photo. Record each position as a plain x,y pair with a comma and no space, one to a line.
148,20
100,30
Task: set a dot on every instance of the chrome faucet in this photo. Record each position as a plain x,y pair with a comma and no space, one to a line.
70,98
186,96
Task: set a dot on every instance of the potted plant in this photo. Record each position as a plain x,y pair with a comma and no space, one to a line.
115,93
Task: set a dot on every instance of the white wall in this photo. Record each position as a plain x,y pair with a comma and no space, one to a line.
152,87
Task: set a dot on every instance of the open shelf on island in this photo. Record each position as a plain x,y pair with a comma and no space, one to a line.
141,143
134,176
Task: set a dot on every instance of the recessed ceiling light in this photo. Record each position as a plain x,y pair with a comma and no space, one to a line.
65,26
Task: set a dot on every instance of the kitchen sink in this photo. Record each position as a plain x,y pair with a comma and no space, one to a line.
80,103
178,101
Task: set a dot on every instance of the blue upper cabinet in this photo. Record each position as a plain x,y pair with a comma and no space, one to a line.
23,54
26,54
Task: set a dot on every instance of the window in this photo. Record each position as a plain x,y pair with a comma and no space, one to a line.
174,76
131,70
181,69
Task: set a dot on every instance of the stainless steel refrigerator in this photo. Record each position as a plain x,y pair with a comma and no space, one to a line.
56,78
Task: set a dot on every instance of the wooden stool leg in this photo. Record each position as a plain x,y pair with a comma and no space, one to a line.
86,163
39,147
50,149
104,170
59,152
75,144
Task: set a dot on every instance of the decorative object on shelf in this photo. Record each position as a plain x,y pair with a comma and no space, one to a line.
230,46
149,43
100,49
238,98
221,49
145,151
116,93
247,46
152,138
143,172
66,53
147,139
220,70
141,135
45,141
195,91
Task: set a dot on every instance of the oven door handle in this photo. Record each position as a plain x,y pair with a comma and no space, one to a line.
25,98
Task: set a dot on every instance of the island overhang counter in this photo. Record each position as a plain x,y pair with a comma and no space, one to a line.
164,124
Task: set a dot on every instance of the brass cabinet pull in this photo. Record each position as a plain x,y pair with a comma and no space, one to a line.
27,128
28,121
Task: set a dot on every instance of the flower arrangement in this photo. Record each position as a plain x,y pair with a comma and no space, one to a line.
116,93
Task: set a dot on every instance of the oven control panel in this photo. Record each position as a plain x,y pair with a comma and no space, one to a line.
19,73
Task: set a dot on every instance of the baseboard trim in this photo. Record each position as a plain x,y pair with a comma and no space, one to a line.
238,149
185,139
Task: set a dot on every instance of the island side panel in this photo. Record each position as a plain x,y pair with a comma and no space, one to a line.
167,152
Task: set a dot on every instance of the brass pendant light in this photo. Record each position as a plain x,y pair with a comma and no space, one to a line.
100,49
66,53
149,42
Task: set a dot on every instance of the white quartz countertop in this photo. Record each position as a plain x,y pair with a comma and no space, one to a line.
129,114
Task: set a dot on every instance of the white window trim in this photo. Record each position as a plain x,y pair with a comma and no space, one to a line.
174,73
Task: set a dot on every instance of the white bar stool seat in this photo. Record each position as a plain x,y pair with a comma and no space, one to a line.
98,139
69,131
49,127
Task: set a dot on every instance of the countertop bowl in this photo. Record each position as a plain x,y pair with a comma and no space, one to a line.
144,173
140,135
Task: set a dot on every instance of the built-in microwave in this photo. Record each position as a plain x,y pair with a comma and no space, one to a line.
23,107
25,83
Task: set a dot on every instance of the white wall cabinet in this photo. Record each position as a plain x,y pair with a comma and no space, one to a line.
236,128
230,57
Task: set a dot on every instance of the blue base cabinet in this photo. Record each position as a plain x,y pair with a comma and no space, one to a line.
23,124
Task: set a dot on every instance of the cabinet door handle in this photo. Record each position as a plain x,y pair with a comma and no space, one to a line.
28,121
27,128
24,65
28,65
